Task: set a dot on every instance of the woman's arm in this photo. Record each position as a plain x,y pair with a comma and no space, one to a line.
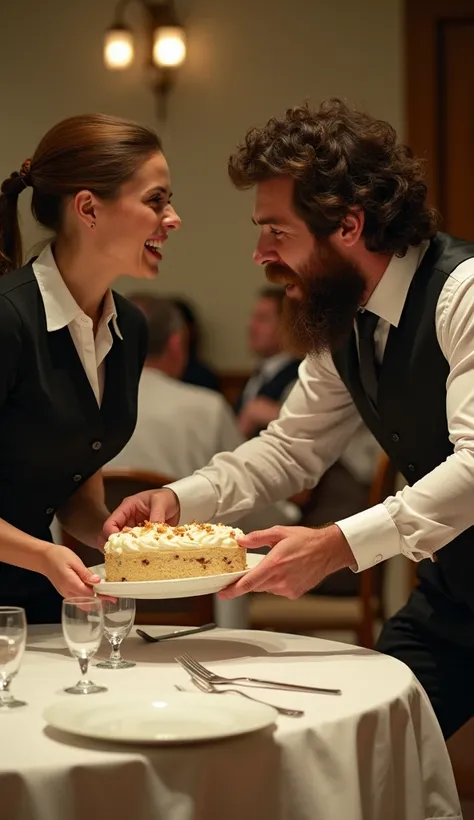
61,565
84,513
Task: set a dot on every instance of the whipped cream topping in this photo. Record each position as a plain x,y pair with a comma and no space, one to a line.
159,536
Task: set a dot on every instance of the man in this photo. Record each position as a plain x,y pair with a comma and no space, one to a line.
277,372
180,427
343,221
345,484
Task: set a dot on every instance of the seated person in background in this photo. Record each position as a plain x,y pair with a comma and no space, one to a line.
180,427
196,371
277,372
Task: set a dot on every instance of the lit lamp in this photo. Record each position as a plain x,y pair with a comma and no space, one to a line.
118,48
166,47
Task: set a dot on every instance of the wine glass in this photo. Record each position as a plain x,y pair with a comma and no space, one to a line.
83,627
12,646
119,615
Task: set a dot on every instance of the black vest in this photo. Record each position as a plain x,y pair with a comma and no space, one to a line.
411,423
53,434
275,387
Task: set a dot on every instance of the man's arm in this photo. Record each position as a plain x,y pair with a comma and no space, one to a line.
257,414
84,514
313,428
421,519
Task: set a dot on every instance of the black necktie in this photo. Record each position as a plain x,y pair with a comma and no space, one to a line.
368,369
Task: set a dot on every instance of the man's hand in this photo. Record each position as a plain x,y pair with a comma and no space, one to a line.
256,415
299,560
151,505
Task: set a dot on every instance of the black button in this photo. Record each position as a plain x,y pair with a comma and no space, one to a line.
395,437
96,445
50,511
412,468
77,477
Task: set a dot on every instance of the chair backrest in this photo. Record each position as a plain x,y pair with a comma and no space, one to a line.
383,485
121,482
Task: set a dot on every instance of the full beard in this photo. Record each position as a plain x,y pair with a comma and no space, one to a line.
323,318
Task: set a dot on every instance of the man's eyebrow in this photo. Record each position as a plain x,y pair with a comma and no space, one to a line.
268,220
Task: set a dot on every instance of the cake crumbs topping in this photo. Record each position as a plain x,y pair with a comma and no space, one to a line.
151,535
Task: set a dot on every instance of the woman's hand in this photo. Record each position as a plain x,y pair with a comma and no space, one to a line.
67,573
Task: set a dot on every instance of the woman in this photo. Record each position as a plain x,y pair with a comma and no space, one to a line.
71,352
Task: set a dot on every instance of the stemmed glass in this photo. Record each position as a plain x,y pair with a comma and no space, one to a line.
119,615
12,647
83,627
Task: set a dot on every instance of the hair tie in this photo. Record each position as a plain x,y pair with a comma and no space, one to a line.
25,173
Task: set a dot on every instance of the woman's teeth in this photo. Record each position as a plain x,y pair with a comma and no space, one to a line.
154,246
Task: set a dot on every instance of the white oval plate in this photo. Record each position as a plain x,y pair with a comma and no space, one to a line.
176,588
166,718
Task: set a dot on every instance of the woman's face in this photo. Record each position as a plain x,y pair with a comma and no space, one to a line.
130,231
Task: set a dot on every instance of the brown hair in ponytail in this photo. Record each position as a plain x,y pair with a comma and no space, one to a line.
10,236
93,152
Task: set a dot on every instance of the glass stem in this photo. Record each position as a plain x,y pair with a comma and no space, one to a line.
84,664
5,689
115,649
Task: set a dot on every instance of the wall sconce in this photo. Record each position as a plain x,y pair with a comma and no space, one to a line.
166,47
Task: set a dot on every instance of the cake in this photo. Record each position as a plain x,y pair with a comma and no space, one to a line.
157,552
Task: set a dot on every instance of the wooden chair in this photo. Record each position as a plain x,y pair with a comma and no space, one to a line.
120,483
345,602
232,383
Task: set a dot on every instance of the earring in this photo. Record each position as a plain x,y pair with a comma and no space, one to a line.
92,225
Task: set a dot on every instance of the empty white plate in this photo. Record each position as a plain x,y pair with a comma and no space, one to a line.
176,588
167,718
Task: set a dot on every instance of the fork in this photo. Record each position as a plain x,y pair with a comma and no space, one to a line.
195,669
209,688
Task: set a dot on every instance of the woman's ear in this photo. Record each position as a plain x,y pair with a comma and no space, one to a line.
84,206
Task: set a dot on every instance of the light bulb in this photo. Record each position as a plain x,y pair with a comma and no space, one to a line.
118,48
169,46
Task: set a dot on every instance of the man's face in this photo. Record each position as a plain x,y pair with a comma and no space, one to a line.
323,288
265,328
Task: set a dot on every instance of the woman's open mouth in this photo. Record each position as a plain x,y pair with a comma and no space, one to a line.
153,246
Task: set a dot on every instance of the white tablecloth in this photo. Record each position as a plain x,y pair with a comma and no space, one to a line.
375,753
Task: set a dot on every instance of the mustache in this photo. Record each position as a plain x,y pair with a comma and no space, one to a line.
281,274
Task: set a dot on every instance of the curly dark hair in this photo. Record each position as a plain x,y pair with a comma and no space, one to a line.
341,159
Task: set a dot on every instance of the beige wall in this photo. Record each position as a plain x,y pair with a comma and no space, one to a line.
248,60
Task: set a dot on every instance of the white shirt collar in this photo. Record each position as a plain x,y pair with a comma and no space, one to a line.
60,307
273,364
389,296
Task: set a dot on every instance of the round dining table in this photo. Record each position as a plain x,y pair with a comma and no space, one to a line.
374,752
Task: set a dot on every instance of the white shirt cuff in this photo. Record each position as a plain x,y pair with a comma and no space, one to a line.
371,535
197,499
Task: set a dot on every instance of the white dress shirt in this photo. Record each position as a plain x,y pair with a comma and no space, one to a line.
319,418
180,427
62,310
